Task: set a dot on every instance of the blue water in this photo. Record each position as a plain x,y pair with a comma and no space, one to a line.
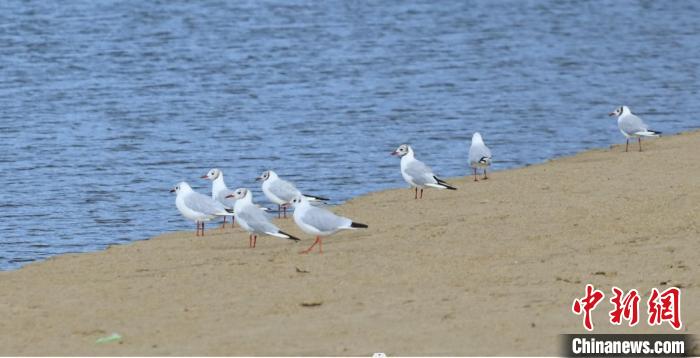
104,105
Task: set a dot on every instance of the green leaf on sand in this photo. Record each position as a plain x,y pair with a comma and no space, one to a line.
111,338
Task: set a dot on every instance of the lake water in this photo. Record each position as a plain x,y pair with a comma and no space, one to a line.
105,105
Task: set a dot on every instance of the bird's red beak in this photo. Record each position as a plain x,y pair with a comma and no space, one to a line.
229,196
394,153
611,114
172,190
204,177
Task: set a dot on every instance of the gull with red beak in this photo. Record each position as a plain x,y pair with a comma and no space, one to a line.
632,126
416,173
253,220
281,192
319,221
197,207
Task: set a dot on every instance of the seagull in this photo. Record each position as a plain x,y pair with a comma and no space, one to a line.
416,173
281,192
252,219
632,126
219,190
479,155
197,207
319,221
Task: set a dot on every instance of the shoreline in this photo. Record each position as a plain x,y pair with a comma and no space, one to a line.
213,225
489,269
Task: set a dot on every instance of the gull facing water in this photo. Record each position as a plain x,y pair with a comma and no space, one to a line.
197,207
632,126
416,173
479,155
319,221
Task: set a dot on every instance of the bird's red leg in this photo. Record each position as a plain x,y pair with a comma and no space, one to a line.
475,175
223,225
485,177
285,210
255,240
640,143
202,228
279,211
421,193
416,197
250,240
311,247
627,146
233,220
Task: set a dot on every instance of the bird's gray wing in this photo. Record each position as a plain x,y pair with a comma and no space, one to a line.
283,189
478,152
324,220
420,172
222,198
256,219
203,204
632,124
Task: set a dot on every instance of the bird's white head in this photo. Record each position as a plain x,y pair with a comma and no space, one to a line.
238,194
620,111
213,174
298,200
266,175
476,138
180,188
402,150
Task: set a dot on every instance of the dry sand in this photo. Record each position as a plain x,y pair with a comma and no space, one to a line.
491,269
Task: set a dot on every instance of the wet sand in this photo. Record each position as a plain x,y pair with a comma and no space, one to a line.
490,269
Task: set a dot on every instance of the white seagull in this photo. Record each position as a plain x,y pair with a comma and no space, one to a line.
416,173
281,192
479,155
219,190
197,207
319,221
253,219
632,126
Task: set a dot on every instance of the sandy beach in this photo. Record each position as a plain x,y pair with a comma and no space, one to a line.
489,269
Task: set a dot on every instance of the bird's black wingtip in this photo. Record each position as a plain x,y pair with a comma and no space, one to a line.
358,225
319,198
444,183
290,237
230,211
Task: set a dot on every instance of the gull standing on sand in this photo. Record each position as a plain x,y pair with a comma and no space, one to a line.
479,155
219,191
416,173
632,126
281,192
197,207
252,219
319,221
